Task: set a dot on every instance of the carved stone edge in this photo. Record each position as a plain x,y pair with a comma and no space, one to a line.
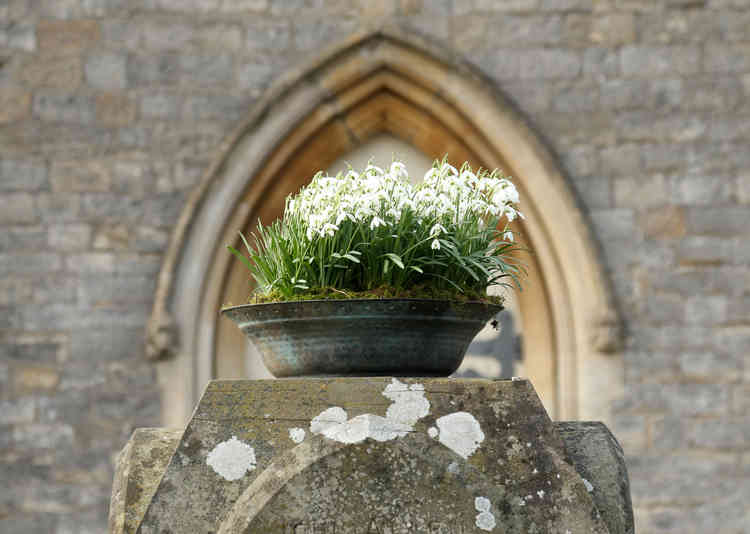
599,459
139,468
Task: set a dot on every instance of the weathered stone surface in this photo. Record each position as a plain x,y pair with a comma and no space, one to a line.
140,466
417,455
599,459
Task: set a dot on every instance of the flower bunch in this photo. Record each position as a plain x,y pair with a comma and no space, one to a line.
359,231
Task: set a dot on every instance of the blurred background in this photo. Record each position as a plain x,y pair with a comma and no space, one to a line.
124,123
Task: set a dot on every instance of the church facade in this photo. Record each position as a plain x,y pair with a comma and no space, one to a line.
137,137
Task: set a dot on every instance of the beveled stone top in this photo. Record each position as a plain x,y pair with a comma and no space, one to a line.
371,455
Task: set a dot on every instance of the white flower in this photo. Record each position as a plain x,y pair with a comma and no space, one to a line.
376,221
435,244
436,230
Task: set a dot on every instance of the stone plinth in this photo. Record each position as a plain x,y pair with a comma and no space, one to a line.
351,455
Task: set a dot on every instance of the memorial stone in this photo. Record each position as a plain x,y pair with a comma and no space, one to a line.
372,455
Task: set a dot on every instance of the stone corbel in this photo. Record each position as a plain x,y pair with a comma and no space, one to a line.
607,332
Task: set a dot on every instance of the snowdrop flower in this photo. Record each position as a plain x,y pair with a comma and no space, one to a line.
435,244
436,230
376,221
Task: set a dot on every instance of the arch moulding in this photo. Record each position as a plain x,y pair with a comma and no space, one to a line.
374,82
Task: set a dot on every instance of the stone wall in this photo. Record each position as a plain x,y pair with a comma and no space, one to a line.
110,111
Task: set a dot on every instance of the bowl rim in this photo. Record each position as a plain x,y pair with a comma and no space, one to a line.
260,305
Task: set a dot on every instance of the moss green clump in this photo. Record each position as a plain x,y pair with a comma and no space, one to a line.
381,292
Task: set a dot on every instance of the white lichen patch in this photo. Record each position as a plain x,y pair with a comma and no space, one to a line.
589,485
331,417
460,432
297,435
409,403
231,459
484,520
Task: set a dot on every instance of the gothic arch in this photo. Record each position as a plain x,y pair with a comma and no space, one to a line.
387,81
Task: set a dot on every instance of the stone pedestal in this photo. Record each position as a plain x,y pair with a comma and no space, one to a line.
360,455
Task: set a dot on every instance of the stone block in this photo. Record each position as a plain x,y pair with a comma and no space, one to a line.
19,36
636,93
666,222
704,250
150,239
549,63
61,37
20,410
726,57
220,37
613,28
254,76
313,32
113,291
51,71
224,107
715,366
270,34
678,477
472,6
15,104
91,262
163,209
23,238
646,126
596,191
706,309
106,70
79,176
743,187
160,106
14,289
60,289
113,109
240,6
122,32
615,224
582,160
63,107
35,378
641,60
724,221
273,471
703,189
623,159
206,70
665,308
188,6
69,237
600,63
22,175
58,207
113,237
39,523
107,344
726,433
576,98
109,207
642,191
17,208
159,69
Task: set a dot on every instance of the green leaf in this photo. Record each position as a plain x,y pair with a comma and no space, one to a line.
242,258
395,258
415,268
351,258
